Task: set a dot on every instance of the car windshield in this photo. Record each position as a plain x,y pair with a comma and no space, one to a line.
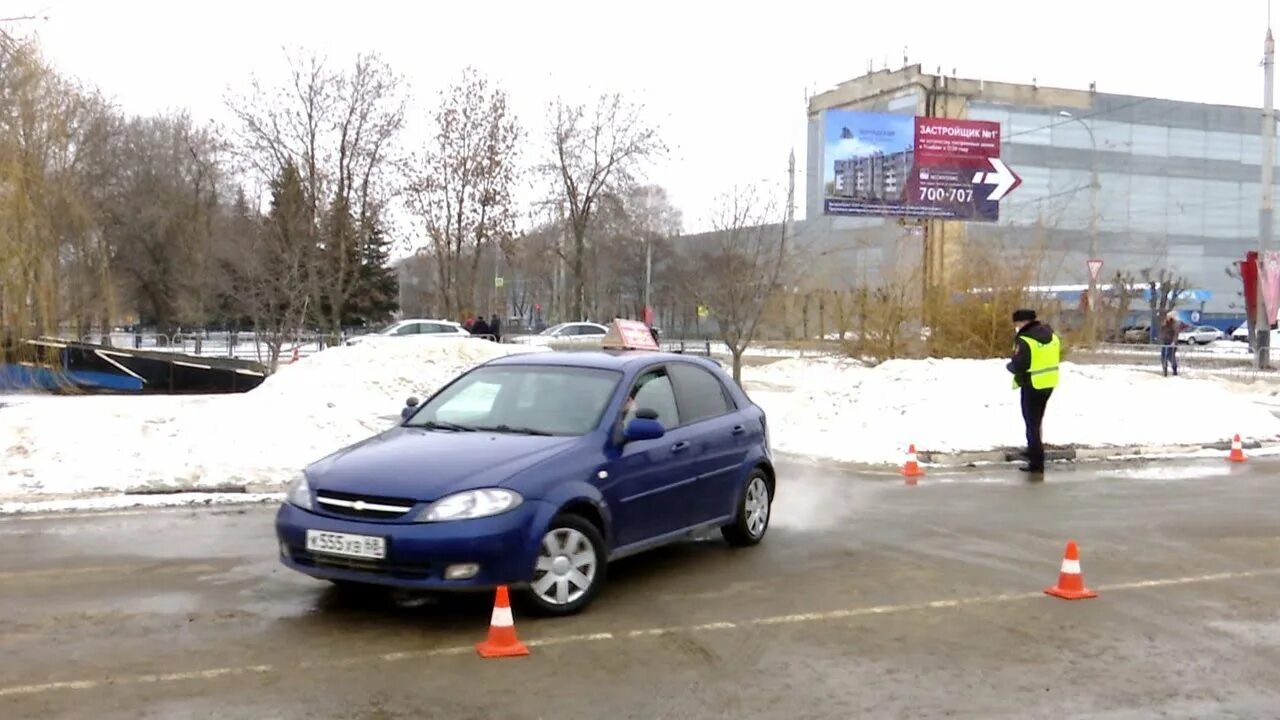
521,399
553,329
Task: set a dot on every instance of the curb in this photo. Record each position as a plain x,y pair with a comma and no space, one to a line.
208,489
1075,453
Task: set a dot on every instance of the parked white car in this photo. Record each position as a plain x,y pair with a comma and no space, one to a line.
417,327
1242,335
1202,335
571,332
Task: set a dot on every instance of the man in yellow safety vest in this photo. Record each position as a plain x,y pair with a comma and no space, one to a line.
1036,353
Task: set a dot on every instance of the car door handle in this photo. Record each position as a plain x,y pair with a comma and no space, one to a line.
738,429
680,446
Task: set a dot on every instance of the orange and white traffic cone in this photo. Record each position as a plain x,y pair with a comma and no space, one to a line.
1070,580
1237,450
911,468
502,641
296,355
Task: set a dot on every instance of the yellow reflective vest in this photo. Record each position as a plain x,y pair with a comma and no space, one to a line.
1044,362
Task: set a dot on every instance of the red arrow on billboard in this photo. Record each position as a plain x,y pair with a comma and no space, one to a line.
1004,179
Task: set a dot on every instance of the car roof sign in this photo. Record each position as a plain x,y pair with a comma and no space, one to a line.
628,335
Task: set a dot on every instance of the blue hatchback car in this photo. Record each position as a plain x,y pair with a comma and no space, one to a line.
535,471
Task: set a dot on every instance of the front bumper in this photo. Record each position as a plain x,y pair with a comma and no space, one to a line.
504,546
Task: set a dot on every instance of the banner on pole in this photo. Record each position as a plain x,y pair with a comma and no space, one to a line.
1249,278
1269,280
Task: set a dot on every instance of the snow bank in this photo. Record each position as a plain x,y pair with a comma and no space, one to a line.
82,445
824,408
842,411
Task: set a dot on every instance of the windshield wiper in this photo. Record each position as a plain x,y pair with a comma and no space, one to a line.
515,430
445,425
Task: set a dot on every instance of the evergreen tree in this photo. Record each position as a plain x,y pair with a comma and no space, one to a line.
378,290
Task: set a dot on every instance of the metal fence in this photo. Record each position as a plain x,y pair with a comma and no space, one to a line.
1226,359
239,345
1232,360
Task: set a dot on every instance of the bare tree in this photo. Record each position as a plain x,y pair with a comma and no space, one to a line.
1164,290
48,130
1116,302
159,215
273,279
595,153
337,130
462,188
739,265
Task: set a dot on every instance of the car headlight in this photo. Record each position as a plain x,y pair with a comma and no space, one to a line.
470,505
298,493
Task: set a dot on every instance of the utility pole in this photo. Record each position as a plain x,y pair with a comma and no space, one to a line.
1268,200
1091,320
648,269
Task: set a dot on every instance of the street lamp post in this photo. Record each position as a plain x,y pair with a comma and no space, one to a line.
1091,319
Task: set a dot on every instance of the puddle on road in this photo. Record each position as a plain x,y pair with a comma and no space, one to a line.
1170,472
1254,633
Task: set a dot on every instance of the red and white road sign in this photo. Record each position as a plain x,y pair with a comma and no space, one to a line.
1095,269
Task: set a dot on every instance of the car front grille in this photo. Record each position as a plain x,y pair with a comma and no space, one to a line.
377,567
364,506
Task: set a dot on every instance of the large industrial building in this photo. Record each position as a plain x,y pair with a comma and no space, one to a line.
1177,183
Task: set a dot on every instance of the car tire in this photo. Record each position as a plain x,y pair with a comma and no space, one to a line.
755,507
571,545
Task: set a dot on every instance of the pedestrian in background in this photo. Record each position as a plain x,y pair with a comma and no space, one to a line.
1169,345
1037,351
495,328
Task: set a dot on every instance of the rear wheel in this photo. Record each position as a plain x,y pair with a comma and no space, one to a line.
752,520
570,568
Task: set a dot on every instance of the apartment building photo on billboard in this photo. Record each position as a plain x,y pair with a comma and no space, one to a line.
875,177
869,156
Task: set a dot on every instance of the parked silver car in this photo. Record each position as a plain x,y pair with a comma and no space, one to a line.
416,327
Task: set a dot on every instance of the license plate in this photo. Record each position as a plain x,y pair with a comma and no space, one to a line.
360,546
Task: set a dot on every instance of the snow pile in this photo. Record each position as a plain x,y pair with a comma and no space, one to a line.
306,411
842,411
824,408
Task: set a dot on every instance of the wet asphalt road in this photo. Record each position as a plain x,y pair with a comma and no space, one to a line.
868,599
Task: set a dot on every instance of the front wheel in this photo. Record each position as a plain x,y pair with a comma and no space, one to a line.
752,520
570,568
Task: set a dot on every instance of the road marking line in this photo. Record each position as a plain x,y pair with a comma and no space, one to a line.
799,618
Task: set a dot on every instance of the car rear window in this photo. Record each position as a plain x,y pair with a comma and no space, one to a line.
701,394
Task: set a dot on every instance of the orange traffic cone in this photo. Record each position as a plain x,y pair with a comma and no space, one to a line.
1070,580
911,468
502,641
296,355
1237,450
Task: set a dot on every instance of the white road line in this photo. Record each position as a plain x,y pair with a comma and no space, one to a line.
217,673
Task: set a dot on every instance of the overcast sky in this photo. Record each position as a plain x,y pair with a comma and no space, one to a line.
725,81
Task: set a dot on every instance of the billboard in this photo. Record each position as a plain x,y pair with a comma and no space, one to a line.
887,164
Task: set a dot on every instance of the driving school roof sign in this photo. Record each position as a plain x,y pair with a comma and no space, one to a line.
629,335
886,164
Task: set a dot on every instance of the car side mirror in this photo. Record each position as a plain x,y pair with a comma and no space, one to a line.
409,406
642,428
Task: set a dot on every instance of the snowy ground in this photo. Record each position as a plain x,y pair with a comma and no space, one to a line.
824,408
838,410
77,445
